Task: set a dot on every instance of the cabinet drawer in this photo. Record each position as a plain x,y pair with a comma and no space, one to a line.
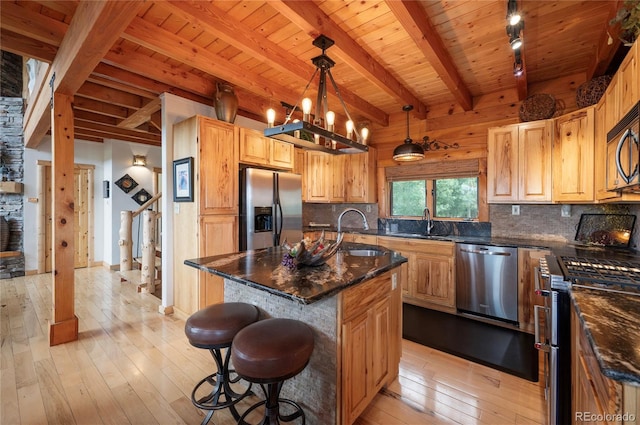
363,297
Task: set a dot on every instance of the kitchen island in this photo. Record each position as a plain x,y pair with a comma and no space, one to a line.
352,303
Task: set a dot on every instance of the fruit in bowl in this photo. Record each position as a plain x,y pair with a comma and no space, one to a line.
310,253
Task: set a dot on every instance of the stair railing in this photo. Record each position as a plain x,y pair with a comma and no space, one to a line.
149,222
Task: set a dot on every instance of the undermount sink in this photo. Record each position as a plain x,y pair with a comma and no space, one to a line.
365,252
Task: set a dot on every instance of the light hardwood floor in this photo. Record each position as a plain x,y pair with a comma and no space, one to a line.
132,365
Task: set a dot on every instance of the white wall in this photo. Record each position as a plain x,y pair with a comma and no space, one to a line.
85,153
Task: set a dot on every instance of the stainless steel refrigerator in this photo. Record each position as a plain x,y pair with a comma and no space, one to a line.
270,208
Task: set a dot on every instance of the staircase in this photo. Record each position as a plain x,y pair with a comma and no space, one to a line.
144,271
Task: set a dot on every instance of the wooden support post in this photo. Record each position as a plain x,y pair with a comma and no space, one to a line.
64,327
149,250
126,242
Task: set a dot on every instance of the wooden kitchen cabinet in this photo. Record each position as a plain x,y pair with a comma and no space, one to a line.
208,225
318,177
431,280
340,178
361,177
528,260
628,90
360,238
371,335
338,182
219,235
255,149
573,157
519,163
594,393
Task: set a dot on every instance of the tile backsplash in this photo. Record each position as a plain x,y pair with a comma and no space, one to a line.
545,221
535,221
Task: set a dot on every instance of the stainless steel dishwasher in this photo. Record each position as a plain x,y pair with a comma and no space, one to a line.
487,281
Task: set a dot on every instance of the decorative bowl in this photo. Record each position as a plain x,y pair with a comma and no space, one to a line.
310,253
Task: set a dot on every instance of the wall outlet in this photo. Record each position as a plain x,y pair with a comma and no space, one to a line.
515,209
333,208
368,208
565,211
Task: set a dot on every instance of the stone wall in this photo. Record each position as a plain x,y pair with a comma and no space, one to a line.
11,204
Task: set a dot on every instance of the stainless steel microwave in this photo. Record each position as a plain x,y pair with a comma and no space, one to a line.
623,154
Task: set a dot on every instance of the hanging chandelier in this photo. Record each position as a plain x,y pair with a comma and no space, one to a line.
409,151
317,132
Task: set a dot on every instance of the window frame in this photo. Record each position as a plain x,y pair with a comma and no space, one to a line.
430,197
433,170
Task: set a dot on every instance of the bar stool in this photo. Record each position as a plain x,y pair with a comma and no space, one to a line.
213,328
270,352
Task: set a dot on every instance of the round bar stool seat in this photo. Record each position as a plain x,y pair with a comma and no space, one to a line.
269,352
213,328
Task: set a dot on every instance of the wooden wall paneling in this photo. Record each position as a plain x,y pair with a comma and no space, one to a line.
64,326
185,220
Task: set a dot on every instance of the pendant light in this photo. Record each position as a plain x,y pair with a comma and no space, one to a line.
408,151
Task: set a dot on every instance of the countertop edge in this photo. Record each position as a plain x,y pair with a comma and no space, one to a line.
606,369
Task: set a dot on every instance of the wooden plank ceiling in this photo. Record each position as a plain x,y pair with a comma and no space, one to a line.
387,54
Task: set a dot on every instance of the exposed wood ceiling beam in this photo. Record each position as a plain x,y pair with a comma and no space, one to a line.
142,115
415,21
25,46
93,29
121,86
606,50
30,24
217,22
106,94
112,132
99,107
311,19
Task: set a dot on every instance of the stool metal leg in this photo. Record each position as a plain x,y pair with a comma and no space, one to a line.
220,382
272,402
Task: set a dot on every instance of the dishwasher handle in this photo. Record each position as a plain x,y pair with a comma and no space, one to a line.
485,252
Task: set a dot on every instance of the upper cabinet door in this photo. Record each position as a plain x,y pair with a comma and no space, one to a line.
254,147
628,82
534,161
573,157
218,167
317,173
502,164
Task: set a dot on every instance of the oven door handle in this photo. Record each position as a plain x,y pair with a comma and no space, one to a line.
538,288
540,345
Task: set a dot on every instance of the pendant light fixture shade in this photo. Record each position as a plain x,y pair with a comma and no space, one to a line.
408,151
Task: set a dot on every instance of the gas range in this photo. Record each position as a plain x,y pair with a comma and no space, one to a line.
602,274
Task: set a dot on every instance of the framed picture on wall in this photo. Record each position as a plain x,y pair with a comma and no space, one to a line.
183,180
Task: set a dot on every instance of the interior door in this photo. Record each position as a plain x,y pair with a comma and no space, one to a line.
82,212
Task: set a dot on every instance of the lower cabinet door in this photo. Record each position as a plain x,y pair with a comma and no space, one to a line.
355,359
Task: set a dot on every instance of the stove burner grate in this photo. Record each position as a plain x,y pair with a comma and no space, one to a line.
623,276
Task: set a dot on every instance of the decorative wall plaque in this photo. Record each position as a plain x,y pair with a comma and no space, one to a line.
126,183
141,197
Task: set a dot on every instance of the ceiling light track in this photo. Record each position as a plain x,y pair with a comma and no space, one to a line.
515,25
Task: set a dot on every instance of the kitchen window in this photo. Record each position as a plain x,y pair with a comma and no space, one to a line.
446,198
452,190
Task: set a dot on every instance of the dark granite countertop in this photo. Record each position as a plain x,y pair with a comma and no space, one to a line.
262,269
612,324
558,248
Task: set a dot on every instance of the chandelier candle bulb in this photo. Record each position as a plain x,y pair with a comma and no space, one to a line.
271,117
296,133
365,133
349,129
331,119
306,109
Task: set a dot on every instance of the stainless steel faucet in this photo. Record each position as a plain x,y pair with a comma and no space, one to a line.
364,219
426,216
